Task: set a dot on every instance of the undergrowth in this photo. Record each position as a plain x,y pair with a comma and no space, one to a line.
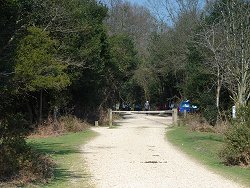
22,164
63,125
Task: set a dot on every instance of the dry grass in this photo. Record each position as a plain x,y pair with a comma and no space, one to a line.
27,165
63,125
32,167
222,127
197,123
38,169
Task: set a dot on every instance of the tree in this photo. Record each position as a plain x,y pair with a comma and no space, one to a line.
52,49
124,62
144,77
237,49
169,11
37,69
210,38
132,20
228,39
169,56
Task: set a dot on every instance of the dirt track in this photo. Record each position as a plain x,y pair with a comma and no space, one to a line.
136,155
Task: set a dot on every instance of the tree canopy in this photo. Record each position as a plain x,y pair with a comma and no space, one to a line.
81,57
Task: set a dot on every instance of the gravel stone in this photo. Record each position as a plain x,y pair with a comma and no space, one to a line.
137,155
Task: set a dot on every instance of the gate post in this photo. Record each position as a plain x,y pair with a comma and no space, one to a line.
110,117
174,116
185,113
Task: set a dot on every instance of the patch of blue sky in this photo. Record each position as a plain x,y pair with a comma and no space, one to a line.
158,7
139,2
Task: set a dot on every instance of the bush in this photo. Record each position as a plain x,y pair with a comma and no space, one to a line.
25,165
35,167
197,123
237,148
12,143
208,109
18,161
72,124
63,125
237,139
210,113
243,115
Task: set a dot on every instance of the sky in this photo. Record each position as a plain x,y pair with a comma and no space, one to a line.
157,9
140,2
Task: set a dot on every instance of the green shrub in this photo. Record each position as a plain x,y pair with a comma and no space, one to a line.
237,140
208,109
18,161
35,167
243,115
210,113
12,143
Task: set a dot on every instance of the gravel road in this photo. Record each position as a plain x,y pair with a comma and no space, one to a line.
137,155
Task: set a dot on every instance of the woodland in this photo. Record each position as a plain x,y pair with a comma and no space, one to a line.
80,57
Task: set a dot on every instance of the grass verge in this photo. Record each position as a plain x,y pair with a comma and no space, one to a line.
205,148
65,151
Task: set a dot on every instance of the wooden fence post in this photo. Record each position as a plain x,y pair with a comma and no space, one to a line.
185,113
96,123
174,116
110,117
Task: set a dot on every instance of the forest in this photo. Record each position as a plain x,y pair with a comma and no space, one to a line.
78,58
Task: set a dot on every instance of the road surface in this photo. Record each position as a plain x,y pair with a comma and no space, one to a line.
137,155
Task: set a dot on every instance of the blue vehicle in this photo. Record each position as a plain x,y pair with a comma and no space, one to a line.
186,105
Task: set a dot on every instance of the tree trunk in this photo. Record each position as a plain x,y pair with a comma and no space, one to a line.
41,107
30,112
218,88
146,94
218,98
242,98
219,84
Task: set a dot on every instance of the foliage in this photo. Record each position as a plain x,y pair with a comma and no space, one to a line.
124,62
13,129
123,55
133,20
210,114
205,147
65,150
237,147
230,31
36,67
64,125
58,47
208,108
72,124
199,84
63,58
16,158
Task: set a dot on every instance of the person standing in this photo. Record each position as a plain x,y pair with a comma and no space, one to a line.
146,106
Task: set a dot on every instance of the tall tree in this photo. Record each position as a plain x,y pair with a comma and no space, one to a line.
237,34
169,11
210,39
37,69
124,61
228,39
133,20
169,55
